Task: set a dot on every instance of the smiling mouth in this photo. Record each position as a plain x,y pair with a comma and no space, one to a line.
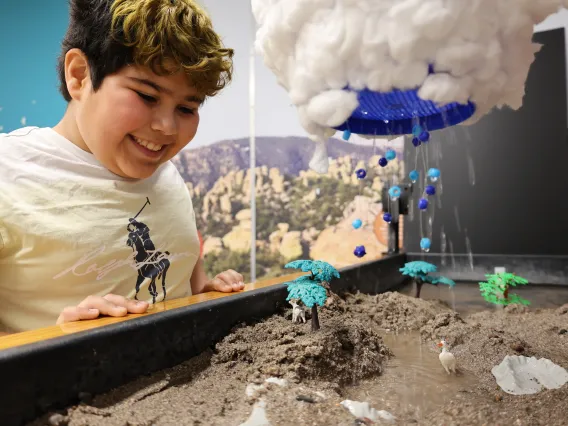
146,144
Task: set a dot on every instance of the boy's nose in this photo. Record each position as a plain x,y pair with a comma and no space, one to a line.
165,123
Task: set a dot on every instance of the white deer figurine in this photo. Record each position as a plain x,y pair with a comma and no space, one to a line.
298,312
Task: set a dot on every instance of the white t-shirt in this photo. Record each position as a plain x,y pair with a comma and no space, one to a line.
69,228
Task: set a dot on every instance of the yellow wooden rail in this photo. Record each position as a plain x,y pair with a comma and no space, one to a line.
51,332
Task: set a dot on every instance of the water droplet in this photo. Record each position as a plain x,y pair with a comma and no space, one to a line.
471,170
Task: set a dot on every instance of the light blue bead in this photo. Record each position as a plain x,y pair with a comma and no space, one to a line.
394,192
346,134
390,155
417,130
357,223
433,173
413,175
425,244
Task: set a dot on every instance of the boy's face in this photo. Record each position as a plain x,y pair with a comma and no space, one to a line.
137,120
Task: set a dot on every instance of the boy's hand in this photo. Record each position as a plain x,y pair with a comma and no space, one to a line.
226,282
94,306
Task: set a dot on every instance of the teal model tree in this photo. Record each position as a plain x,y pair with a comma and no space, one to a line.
496,289
419,271
308,288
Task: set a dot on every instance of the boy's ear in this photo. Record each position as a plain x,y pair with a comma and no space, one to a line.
77,74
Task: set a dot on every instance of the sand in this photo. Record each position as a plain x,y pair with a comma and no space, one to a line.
348,356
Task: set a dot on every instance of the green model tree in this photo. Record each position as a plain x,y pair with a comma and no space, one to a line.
496,289
308,288
419,271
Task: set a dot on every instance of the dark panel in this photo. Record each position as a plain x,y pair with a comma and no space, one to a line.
504,179
51,374
543,270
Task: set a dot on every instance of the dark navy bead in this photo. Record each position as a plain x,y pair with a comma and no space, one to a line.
361,173
430,190
424,136
359,251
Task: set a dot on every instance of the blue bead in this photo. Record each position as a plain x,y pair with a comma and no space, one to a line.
357,223
416,130
425,244
383,162
361,173
424,136
394,191
346,134
433,173
390,155
430,190
359,251
423,204
416,142
387,217
413,175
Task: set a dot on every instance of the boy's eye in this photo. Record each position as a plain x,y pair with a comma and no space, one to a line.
186,110
147,98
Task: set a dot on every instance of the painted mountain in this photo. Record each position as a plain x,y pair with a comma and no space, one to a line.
299,213
290,155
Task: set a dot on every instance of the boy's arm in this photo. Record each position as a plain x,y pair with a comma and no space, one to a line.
199,278
226,281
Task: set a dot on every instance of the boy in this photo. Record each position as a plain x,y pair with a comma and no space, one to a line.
93,215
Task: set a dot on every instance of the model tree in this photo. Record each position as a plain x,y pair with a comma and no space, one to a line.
419,271
310,288
496,289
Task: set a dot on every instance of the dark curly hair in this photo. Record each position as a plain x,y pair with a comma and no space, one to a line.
165,35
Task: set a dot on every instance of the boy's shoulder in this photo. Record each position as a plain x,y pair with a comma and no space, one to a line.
22,132
22,138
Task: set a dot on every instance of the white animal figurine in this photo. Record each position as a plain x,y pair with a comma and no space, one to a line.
298,313
447,358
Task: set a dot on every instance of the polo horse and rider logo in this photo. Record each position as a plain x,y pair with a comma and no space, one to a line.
152,265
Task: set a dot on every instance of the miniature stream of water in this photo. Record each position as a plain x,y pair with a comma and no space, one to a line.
414,382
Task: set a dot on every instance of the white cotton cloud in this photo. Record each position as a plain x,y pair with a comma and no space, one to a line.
481,50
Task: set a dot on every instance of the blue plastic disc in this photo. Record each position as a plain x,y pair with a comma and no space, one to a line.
398,112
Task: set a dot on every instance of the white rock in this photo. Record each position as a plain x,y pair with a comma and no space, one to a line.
277,381
520,375
364,409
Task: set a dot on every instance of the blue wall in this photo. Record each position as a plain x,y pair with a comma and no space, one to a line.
30,36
